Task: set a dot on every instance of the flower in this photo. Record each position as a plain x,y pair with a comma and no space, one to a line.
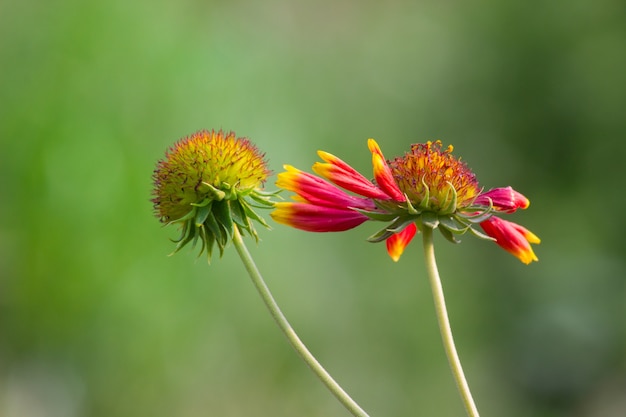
427,187
205,183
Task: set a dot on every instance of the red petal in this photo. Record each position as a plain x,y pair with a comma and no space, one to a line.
313,218
503,199
347,177
382,173
398,241
512,237
319,192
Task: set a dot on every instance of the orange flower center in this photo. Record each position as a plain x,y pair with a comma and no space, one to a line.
427,165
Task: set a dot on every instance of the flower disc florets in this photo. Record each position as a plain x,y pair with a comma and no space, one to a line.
429,172
204,182
438,192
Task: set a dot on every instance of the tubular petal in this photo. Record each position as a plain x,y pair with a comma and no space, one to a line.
512,237
382,172
317,191
398,241
504,199
339,163
313,218
347,177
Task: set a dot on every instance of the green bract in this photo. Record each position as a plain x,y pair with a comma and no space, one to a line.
212,219
449,220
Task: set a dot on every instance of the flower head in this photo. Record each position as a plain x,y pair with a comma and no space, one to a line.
205,183
428,174
427,187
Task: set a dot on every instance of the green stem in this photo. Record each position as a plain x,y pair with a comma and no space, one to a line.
444,323
286,328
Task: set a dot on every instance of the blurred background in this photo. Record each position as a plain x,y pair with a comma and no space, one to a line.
96,319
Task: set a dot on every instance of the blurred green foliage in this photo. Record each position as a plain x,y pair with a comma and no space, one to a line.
96,320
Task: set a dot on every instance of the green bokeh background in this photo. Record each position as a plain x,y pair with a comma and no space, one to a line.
96,320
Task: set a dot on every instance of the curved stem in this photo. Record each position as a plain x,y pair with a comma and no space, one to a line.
444,323
291,335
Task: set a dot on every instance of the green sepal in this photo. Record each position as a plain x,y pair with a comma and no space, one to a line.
451,206
477,218
212,229
396,226
211,191
253,214
412,210
212,220
238,214
264,198
481,235
211,226
425,201
390,206
400,224
212,233
430,219
202,213
448,235
243,216
379,236
190,215
196,235
208,241
376,215
223,215
453,225
187,234
234,192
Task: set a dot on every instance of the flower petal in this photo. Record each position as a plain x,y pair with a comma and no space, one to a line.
382,173
347,177
398,241
313,218
512,237
316,191
504,199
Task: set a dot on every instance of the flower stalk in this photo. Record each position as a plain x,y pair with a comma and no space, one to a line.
288,331
210,184
444,323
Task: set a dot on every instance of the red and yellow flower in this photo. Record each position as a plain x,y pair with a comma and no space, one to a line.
427,187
